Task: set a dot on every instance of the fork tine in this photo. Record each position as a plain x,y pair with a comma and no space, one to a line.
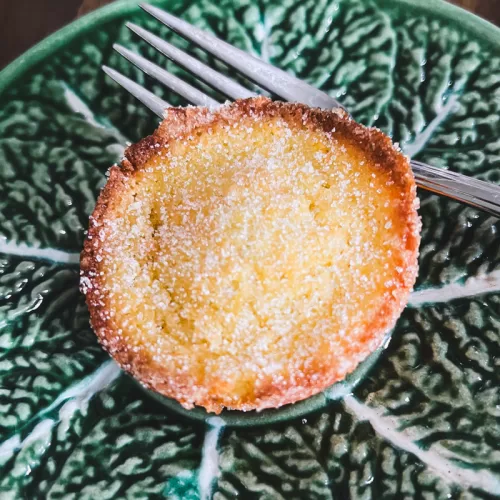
213,78
179,86
151,101
275,80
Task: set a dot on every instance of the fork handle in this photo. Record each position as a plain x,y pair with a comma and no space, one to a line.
480,194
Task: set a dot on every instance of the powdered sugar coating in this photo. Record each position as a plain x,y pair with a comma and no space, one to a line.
252,256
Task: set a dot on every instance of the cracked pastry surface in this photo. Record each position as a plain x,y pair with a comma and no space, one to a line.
250,257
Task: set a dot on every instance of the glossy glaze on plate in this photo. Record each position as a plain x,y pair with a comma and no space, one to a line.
425,422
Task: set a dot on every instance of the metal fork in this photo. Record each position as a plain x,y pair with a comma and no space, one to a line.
474,192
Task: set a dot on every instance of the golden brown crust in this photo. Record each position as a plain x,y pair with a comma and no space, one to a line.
182,122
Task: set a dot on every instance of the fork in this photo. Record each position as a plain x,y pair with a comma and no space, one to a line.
465,189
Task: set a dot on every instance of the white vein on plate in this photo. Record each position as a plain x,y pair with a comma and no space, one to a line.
75,398
475,285
77,105
209,467
49,254
423,137
263,31
387,427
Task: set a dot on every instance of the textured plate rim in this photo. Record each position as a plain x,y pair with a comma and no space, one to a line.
480,27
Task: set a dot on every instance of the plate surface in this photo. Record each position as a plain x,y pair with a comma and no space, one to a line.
425,422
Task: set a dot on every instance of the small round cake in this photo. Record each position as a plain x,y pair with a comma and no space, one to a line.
250,257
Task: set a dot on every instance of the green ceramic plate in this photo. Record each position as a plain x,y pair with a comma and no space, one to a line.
424,422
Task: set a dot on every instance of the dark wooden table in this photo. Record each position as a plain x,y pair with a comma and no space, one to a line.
25,22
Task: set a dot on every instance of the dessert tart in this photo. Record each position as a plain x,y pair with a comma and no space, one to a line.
250,257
